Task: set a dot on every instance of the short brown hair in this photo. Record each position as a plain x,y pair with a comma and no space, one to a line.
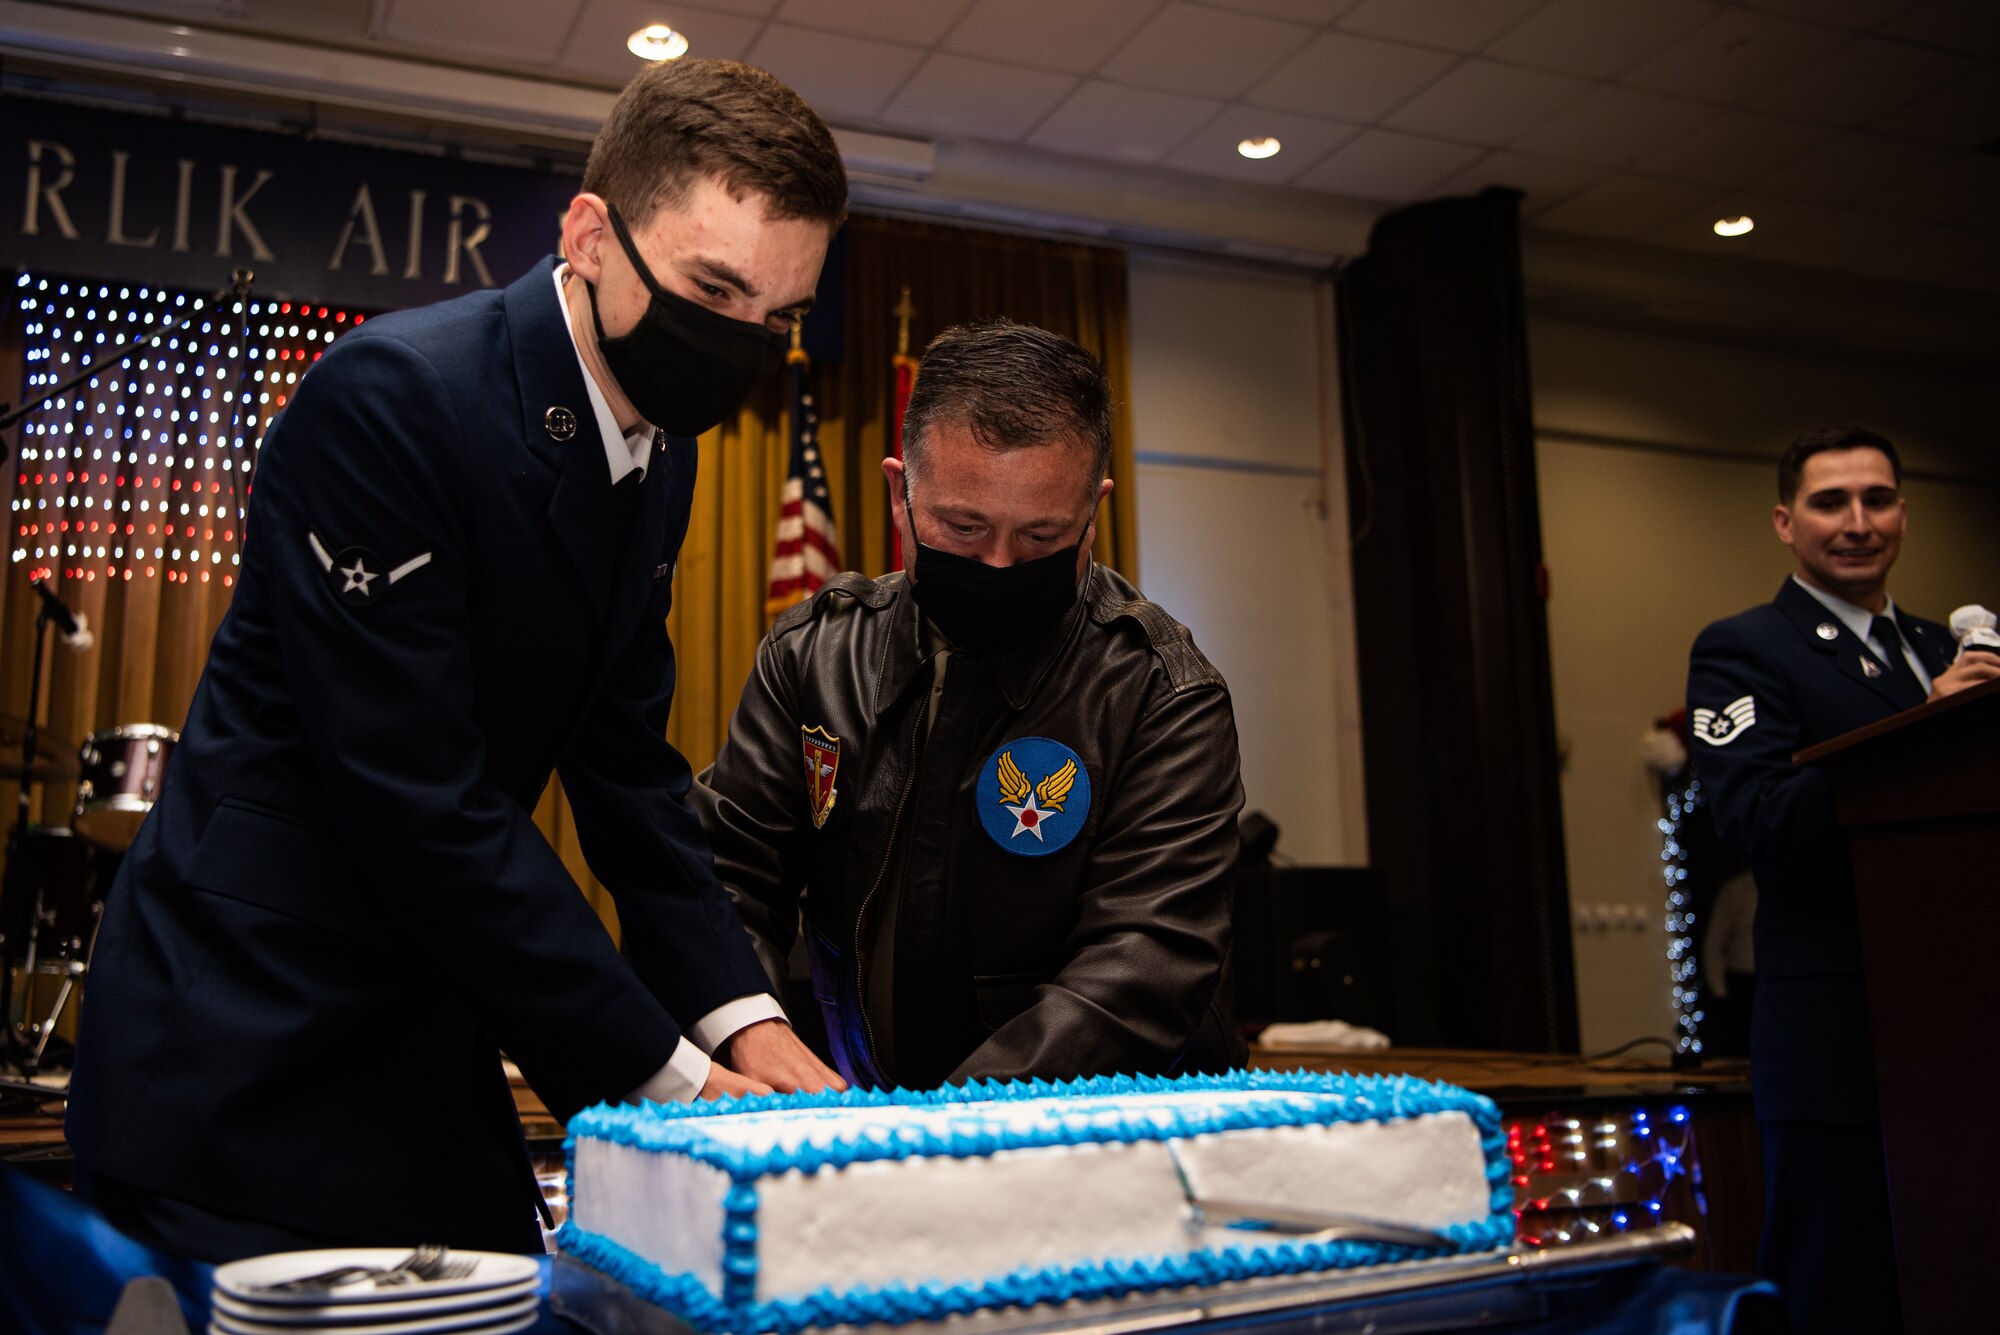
1792,463
1011,385
680,120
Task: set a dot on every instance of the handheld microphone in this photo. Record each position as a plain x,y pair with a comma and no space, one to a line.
1973,627
75,626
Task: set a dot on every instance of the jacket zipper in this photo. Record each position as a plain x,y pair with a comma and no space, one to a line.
888,856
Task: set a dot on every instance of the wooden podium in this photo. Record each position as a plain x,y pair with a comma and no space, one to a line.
1919,795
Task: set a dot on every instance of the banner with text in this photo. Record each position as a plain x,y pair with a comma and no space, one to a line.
151,199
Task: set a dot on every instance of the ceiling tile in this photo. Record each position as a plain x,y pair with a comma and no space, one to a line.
1542,182
1345,78
755,9
1954,192
1735,56
194,9
1851,169
1205,52
596,44
1598,40
343,21
1846,13
1382,164
1878,247
1964,114
507,29
911,22
1485,103
1960,255
1629,207
1611,127
1212,150
1734,149
1079,37
838,76
1853,242
1958,25
1455,25
1106,120
1320,12
977,99
1863,81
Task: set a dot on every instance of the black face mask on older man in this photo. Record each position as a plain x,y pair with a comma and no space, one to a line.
990,609
683,366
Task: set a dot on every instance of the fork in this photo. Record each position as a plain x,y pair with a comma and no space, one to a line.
421,1264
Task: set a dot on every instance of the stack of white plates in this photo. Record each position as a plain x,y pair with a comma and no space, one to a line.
497,1296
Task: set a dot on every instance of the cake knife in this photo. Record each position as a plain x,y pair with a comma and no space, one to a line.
1303,1224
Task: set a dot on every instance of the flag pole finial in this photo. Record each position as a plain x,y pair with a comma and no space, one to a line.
906,311
796,354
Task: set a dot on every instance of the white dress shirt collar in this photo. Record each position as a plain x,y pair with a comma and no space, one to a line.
1862,622
1853,616
623,452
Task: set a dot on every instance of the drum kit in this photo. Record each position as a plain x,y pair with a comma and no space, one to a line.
52,895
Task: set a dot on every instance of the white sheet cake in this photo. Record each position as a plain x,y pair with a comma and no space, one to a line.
817,1210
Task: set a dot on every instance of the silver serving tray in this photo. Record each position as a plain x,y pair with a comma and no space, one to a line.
1446,1293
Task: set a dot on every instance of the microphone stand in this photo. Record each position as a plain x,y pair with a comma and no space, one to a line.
17,843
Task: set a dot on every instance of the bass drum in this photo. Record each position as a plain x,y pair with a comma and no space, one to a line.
52,897
122,771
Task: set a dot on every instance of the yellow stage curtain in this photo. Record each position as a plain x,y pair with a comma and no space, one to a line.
153,636
954,274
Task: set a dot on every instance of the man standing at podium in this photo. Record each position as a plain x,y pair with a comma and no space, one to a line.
1831,653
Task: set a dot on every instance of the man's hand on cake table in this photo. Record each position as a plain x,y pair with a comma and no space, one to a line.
724,1083
769,1051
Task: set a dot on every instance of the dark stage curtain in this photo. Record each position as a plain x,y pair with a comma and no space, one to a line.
1464,820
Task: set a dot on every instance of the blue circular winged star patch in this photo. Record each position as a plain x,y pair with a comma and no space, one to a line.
1033,795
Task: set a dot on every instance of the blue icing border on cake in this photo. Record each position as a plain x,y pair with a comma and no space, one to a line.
655,1127
739,1244
677,1126
899,1304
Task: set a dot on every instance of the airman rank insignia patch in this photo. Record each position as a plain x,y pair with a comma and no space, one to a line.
1033,795
358,576
822,756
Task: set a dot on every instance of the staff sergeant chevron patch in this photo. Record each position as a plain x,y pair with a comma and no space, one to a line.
1720,729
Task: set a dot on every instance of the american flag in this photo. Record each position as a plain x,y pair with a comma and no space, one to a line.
808,548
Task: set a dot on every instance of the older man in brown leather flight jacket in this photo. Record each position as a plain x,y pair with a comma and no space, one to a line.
1000,791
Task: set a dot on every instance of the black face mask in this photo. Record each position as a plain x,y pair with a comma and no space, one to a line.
683,366
990,609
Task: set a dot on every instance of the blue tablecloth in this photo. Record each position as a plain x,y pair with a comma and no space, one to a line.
62,1269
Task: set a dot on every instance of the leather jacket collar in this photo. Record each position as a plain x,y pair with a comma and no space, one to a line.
1019,670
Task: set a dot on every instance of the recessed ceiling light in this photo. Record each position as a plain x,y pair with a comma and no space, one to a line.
656,41
1267,147
1734,226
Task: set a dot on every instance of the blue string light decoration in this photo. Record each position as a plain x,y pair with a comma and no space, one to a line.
1684,969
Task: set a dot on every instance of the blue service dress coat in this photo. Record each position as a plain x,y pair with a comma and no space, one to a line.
341,911
1810,1051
